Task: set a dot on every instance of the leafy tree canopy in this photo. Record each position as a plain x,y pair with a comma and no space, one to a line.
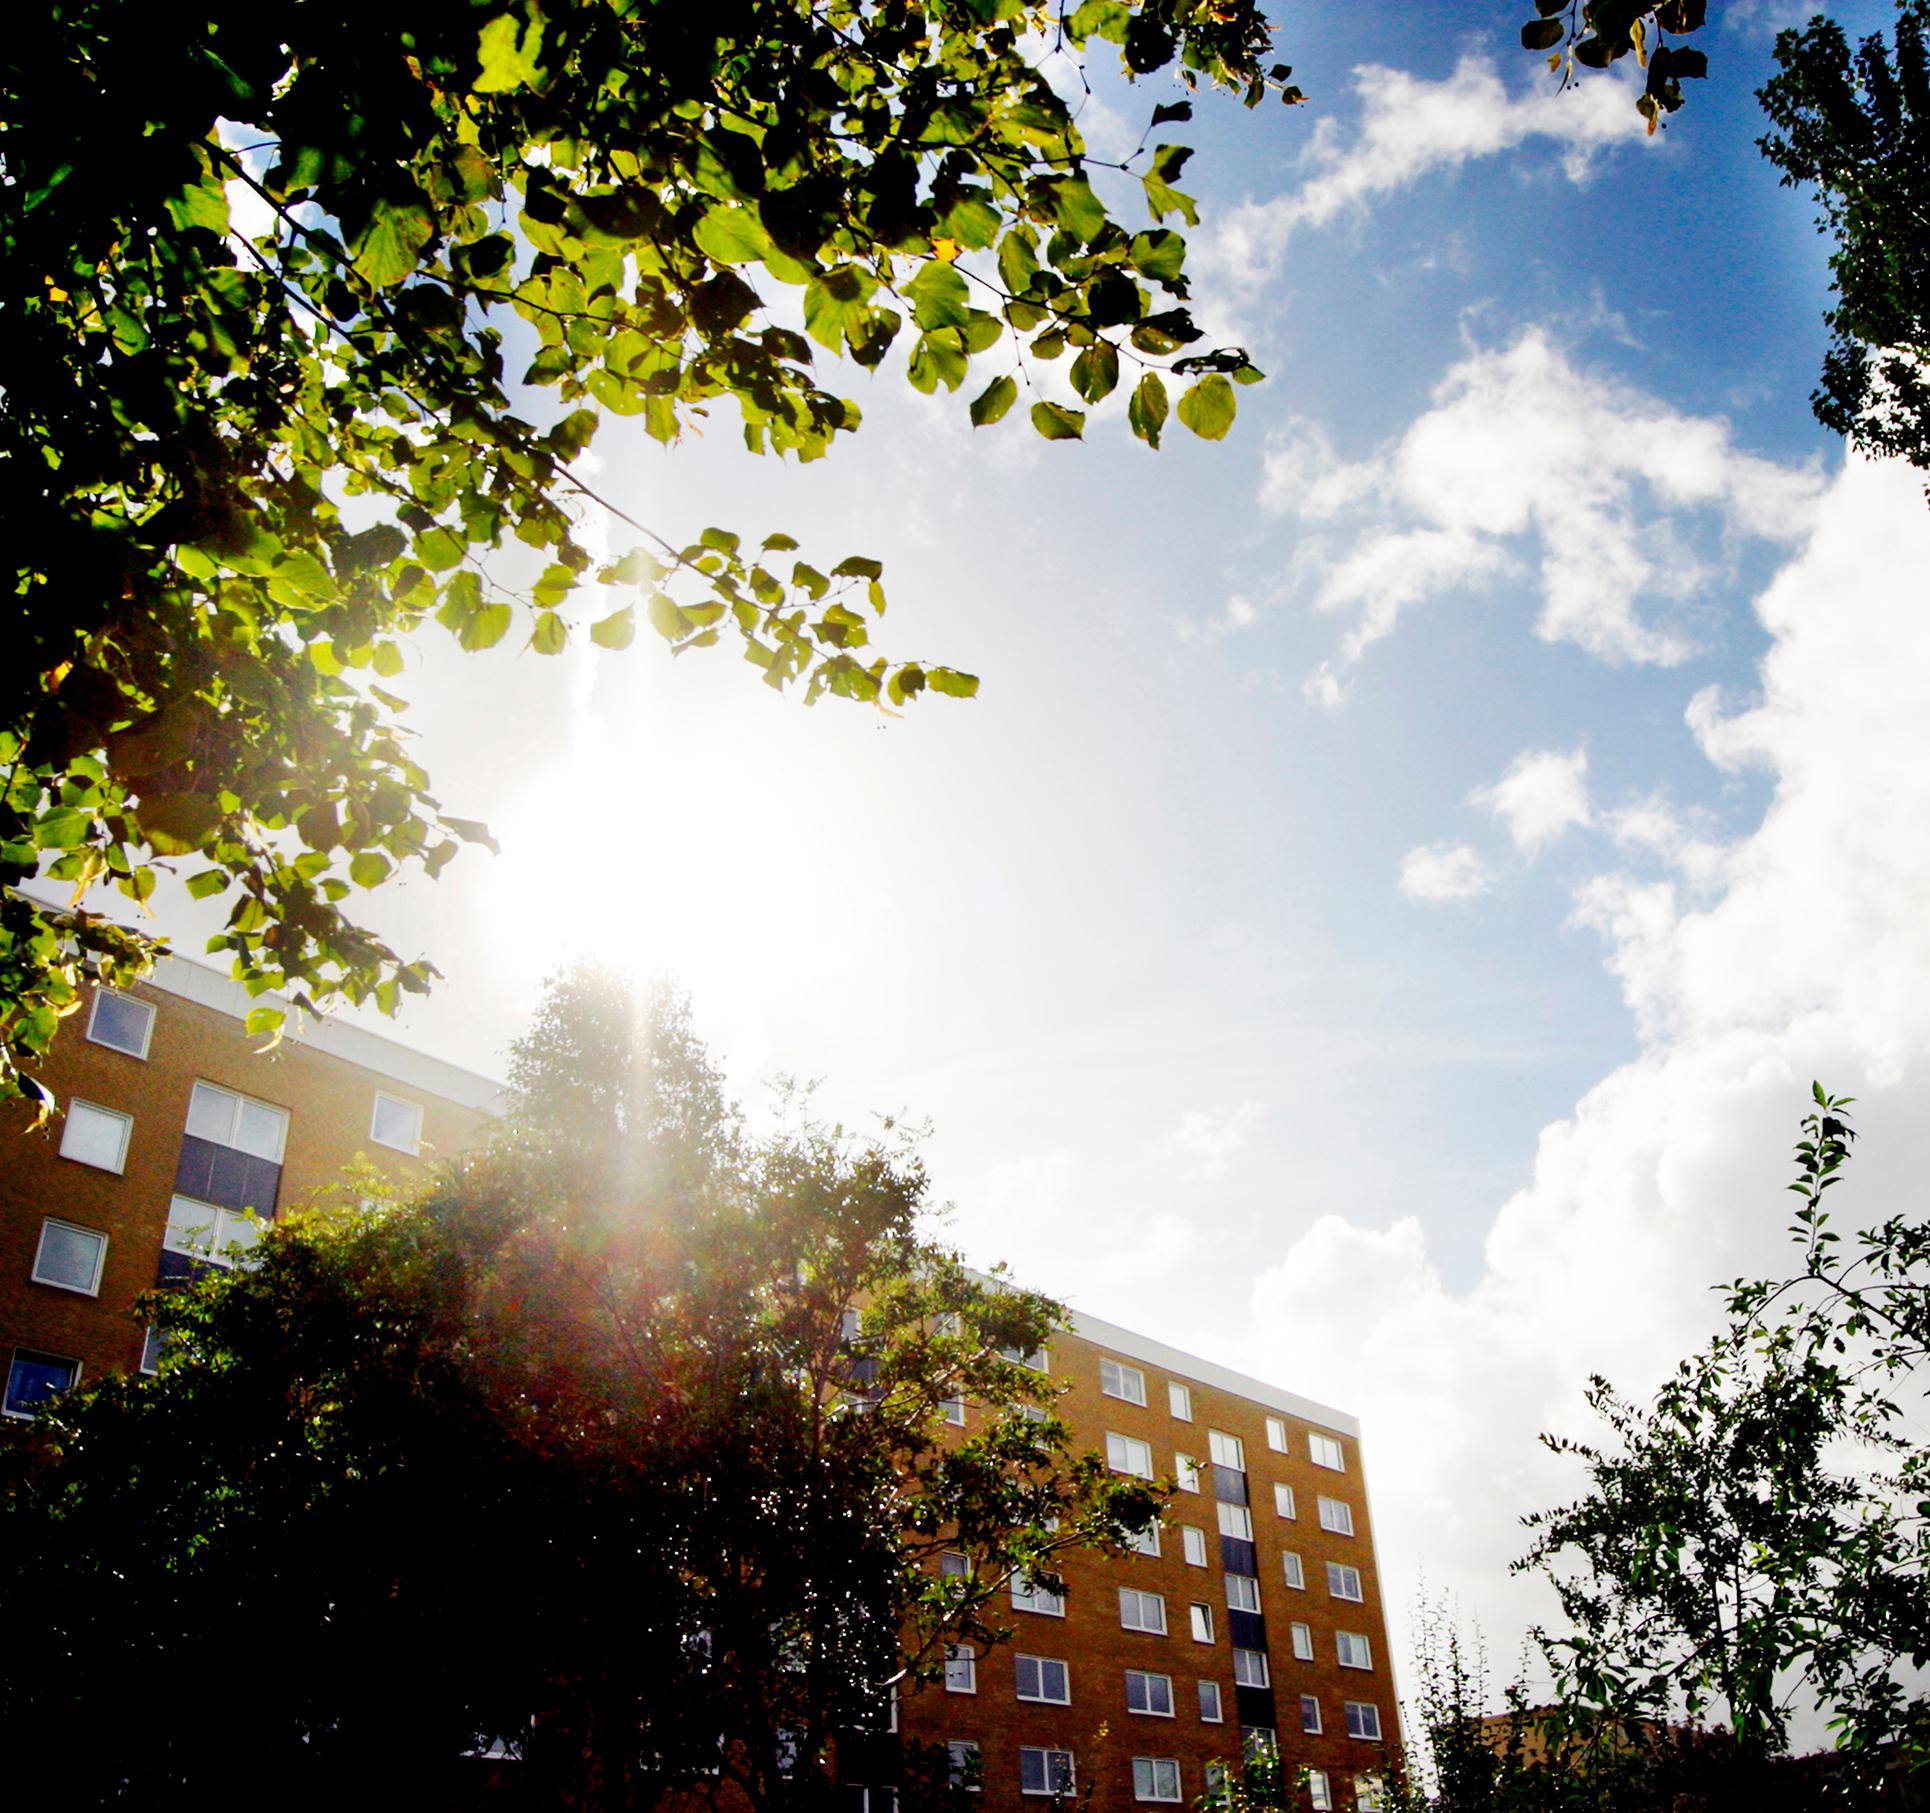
643,1474
307,317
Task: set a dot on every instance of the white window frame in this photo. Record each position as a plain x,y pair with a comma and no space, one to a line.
1242,1592
1179,1400
1150,1686
1210,1690
1128,1454
1301,1636
952,1410
1343,1582
1250,1668
153,1345
954,1564
1324,1451
1033,1359
78,1115
1320,1792
1277,1435
961,1669
1226,1450
1151,1779
93,1286
963,1752
1294,1570
1147,1541
1192,1543
1234,1520
1057,1771
1200,1622
1360,1714
1284,1502
1039,1665
237,1101
1134,1607
216,1251
1029,1596
1118,1380
1337,1516
146,1009
1186,1470
14,1357
414,1146
1352,1650
1310,1714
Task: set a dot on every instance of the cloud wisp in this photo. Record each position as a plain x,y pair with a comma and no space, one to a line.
1436,872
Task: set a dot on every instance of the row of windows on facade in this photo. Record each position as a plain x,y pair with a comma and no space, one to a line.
1047,1771
1141,1610
1128,1454
1128,1383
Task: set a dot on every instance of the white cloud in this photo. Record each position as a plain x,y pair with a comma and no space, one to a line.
1808,956
1543,794
1444,872
1610,501
1238,613
1207,1138
1409,129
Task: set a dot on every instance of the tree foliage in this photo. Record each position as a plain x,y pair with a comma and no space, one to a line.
646,1482
308,318
1855,127
1757,1539
1581,35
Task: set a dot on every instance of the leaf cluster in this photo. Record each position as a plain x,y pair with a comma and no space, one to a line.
1596,34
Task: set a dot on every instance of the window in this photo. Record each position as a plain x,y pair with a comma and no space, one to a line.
1040,1678
70,1257
1276,1435
1235,1520
961,1670
204,1231
121,1023
1319,1794
1226,1450
1250,1668
1363,1719
954,1566
1367,1794
1141,1611
1155,1778
1259,1740
153,1344
1310,1714
1124,1454
96,1136
1343,1582
1242,1593
1296,1574
1354,1651
1179,1400
953,1410
1149,1693
1044,1771
238,1121
1036,1358
1283,1505
1302,1642
1187,1471
1202,1621
36,1377
1029,1596
397,1123
1032,1413
1210,1713
1193,1542
1146,1542
1337,1514
1326,1452
965,1771
1118,1381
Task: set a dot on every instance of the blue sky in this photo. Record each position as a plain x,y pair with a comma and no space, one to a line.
1407,861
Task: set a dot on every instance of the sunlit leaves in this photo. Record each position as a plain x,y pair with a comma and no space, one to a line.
1207,407
1057,423
993,401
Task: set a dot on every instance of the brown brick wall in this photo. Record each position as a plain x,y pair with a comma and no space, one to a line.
330,1103
1096,1726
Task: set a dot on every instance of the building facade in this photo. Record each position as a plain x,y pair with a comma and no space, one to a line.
1252,1615
172,1125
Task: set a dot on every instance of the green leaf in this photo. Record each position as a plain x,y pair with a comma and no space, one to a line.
938,296
1095,372
1057,423
508,58
952,683
665,618
208,882
1208,407
391,244
616,630
1542,34
551,634
1146,410
179,822
369,869
486,628
993,401
64,828
733,235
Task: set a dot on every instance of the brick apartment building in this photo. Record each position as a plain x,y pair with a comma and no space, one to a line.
1253,1614
1255,1610
171,1125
